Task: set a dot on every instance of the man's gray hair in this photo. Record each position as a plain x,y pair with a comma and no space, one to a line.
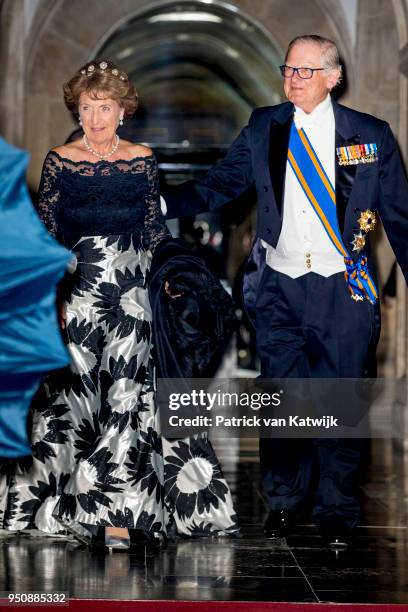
330,53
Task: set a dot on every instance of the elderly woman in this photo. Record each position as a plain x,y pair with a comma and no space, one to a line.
100,468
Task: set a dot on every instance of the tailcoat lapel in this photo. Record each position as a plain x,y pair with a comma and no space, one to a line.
278,151
346,134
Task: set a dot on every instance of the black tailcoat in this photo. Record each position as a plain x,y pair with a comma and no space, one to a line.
307,327
259,156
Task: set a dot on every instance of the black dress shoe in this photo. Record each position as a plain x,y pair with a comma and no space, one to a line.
279,523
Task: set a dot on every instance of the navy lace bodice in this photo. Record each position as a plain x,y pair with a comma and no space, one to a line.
101,199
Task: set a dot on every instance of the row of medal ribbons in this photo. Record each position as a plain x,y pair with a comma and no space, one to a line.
357,154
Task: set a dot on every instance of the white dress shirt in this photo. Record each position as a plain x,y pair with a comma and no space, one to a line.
303,244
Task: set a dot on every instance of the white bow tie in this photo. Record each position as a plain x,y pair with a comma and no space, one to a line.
305,122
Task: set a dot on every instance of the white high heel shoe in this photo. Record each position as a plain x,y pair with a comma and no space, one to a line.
113,542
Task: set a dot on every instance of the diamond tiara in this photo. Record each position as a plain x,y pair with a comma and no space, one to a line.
103,67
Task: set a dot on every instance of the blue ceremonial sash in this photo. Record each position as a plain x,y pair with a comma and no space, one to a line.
320,192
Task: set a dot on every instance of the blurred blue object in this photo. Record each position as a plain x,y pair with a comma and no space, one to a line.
31,264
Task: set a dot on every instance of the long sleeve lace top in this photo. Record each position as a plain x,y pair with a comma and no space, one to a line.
101,199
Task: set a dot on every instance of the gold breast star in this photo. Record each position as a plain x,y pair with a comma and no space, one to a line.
367,220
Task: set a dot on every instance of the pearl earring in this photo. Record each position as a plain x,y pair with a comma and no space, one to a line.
121,121
80,122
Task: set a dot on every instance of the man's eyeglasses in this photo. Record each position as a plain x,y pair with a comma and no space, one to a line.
304,73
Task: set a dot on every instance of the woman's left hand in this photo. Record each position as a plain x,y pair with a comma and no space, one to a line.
167,290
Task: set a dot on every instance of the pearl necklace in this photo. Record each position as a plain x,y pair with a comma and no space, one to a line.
104,155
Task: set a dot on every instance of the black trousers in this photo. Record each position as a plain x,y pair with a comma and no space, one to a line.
310,327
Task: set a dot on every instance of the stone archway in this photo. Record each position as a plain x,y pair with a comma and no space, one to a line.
200,70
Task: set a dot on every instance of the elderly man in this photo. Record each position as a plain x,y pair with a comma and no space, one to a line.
323,172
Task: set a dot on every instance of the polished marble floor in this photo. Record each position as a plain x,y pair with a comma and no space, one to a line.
298,569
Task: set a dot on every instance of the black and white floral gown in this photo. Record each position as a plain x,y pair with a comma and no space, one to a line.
98,457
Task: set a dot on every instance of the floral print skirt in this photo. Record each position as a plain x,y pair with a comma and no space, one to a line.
98,456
